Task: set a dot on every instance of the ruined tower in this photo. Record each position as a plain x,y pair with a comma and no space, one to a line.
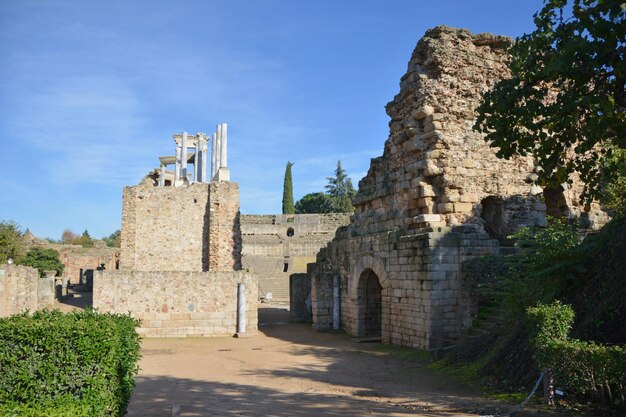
436,197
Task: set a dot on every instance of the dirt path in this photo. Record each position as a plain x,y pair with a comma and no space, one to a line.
290,370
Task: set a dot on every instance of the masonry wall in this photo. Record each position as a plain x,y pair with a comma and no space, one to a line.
191,228
277,246
22,289
225,242
77,259
436,197
178,303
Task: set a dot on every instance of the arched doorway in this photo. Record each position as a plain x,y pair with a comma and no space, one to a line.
495,218
370,302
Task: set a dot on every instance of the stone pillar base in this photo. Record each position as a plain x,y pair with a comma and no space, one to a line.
222,175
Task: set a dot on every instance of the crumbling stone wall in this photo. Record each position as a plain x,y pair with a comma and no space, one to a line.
436,197
22,289
77,259
191,228
180,262
178,303
277,246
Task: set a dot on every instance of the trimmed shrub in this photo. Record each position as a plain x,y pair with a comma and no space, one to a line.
82,361
580,366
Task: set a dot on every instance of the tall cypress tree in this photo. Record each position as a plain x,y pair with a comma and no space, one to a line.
288,207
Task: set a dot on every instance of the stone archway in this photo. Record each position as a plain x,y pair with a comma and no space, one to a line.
369,288
369,305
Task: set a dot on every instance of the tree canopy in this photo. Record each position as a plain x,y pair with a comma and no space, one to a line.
315,203
11,241
114,240
43,260
337,199
565,101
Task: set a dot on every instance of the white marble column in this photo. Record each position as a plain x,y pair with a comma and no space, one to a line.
177,170
184,158
196,165
204,149
162,176
213,156
224,146
220,144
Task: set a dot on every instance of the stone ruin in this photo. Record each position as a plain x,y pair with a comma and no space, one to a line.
180,263
21,289
437,197
279,247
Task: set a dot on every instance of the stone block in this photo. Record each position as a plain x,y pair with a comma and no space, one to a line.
445,208
463,207
469,198
422,112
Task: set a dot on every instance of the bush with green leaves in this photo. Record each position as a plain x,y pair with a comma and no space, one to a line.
579,366
52,362
11,241
550,258
43,260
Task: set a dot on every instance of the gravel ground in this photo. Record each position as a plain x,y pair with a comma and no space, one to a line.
291,370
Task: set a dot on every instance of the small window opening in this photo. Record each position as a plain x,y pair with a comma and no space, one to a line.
495,218
290,232
285,267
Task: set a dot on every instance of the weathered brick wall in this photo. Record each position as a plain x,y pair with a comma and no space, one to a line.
191,228
21,289
427,203
178,303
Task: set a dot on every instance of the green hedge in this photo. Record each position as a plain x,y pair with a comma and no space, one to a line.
579,366
52,362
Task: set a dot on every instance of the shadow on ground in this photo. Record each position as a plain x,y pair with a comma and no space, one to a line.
291,370
199,398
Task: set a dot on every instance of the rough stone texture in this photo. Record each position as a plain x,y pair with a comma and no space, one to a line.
178,303
191,228
436,197
21,289
300,298
77,259
224,227
273,243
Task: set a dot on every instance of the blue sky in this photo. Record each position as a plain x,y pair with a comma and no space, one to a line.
92,91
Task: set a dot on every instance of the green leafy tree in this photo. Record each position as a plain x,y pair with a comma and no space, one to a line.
315,203
43,260
614,192
11,241
565,101
114,240
288,207
85,240
340,189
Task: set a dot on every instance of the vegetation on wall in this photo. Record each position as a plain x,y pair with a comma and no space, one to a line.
288,207
553,265
565,103
79,364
